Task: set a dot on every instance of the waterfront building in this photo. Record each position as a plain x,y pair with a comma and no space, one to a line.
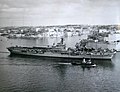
115,37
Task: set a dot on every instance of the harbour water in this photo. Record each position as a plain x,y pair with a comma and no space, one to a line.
29,74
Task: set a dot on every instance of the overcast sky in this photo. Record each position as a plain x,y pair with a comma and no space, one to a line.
59,12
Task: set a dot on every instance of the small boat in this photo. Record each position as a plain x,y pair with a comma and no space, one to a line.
84,63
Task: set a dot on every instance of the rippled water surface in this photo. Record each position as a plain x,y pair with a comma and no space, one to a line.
30,74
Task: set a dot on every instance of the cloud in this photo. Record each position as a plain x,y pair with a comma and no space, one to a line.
40,3
59,11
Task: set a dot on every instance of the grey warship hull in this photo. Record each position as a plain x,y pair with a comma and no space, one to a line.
41,52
